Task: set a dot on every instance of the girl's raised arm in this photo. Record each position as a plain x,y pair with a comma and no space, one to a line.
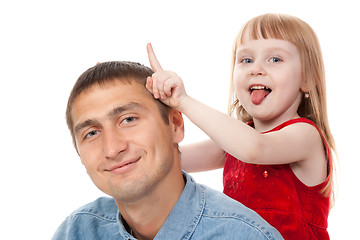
202,156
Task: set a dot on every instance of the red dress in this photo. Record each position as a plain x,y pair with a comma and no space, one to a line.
273,191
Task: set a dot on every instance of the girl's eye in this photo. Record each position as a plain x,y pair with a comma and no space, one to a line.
91,134
275,60
246,60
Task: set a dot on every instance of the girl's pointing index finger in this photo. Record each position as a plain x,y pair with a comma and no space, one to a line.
154,63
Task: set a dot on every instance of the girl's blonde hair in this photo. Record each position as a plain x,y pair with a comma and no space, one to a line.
299,33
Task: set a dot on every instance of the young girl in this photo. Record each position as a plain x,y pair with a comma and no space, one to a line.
277,159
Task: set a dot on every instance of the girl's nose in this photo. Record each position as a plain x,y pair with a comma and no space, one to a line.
256,70
113,144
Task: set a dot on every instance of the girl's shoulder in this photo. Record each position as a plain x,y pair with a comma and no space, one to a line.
292,122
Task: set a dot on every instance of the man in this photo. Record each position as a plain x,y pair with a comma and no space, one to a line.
128,143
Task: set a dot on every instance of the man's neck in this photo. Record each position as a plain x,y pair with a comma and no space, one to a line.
146,216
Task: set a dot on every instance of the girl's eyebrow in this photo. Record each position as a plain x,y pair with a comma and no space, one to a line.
113,112
243,50
248,50
278,50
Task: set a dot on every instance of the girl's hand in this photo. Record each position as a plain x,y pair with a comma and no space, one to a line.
165,85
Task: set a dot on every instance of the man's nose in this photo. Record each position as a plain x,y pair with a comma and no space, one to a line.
113,143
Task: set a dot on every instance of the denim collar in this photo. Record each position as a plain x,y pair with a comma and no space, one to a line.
185,215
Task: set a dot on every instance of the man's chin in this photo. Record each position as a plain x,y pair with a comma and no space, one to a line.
130,190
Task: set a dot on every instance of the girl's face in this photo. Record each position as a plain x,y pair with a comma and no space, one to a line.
267,80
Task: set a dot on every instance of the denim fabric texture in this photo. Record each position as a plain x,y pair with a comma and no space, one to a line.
200,213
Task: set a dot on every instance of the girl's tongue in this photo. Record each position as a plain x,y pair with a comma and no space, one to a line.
258,95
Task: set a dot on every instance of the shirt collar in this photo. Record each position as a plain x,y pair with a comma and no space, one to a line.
189,208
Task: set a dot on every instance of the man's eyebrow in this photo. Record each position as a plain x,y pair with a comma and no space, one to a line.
83,125
113,112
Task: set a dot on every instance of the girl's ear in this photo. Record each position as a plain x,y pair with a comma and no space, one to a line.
177,122
305,86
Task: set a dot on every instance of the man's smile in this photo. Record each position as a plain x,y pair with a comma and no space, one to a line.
123,167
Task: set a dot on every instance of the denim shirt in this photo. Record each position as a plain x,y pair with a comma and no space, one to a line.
200,213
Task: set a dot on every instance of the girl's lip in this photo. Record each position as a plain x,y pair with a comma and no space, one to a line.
258,87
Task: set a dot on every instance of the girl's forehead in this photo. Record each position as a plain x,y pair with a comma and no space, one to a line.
264,42
249,36
267,46
253,33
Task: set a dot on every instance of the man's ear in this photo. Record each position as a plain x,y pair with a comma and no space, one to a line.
177,122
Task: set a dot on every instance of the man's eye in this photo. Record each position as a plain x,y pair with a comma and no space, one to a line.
91,134
128,120
275,60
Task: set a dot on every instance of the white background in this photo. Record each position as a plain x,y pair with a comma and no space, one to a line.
46,45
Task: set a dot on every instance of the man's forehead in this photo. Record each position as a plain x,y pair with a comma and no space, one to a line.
119,90
126,84
102,99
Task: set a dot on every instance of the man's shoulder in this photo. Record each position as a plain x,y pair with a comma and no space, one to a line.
218,202
85,222
103,208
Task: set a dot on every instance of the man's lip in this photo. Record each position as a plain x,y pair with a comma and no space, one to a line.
123,164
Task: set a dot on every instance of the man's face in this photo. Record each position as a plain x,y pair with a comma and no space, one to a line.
123,142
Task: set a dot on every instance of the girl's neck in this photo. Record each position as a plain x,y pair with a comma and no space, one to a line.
266,125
